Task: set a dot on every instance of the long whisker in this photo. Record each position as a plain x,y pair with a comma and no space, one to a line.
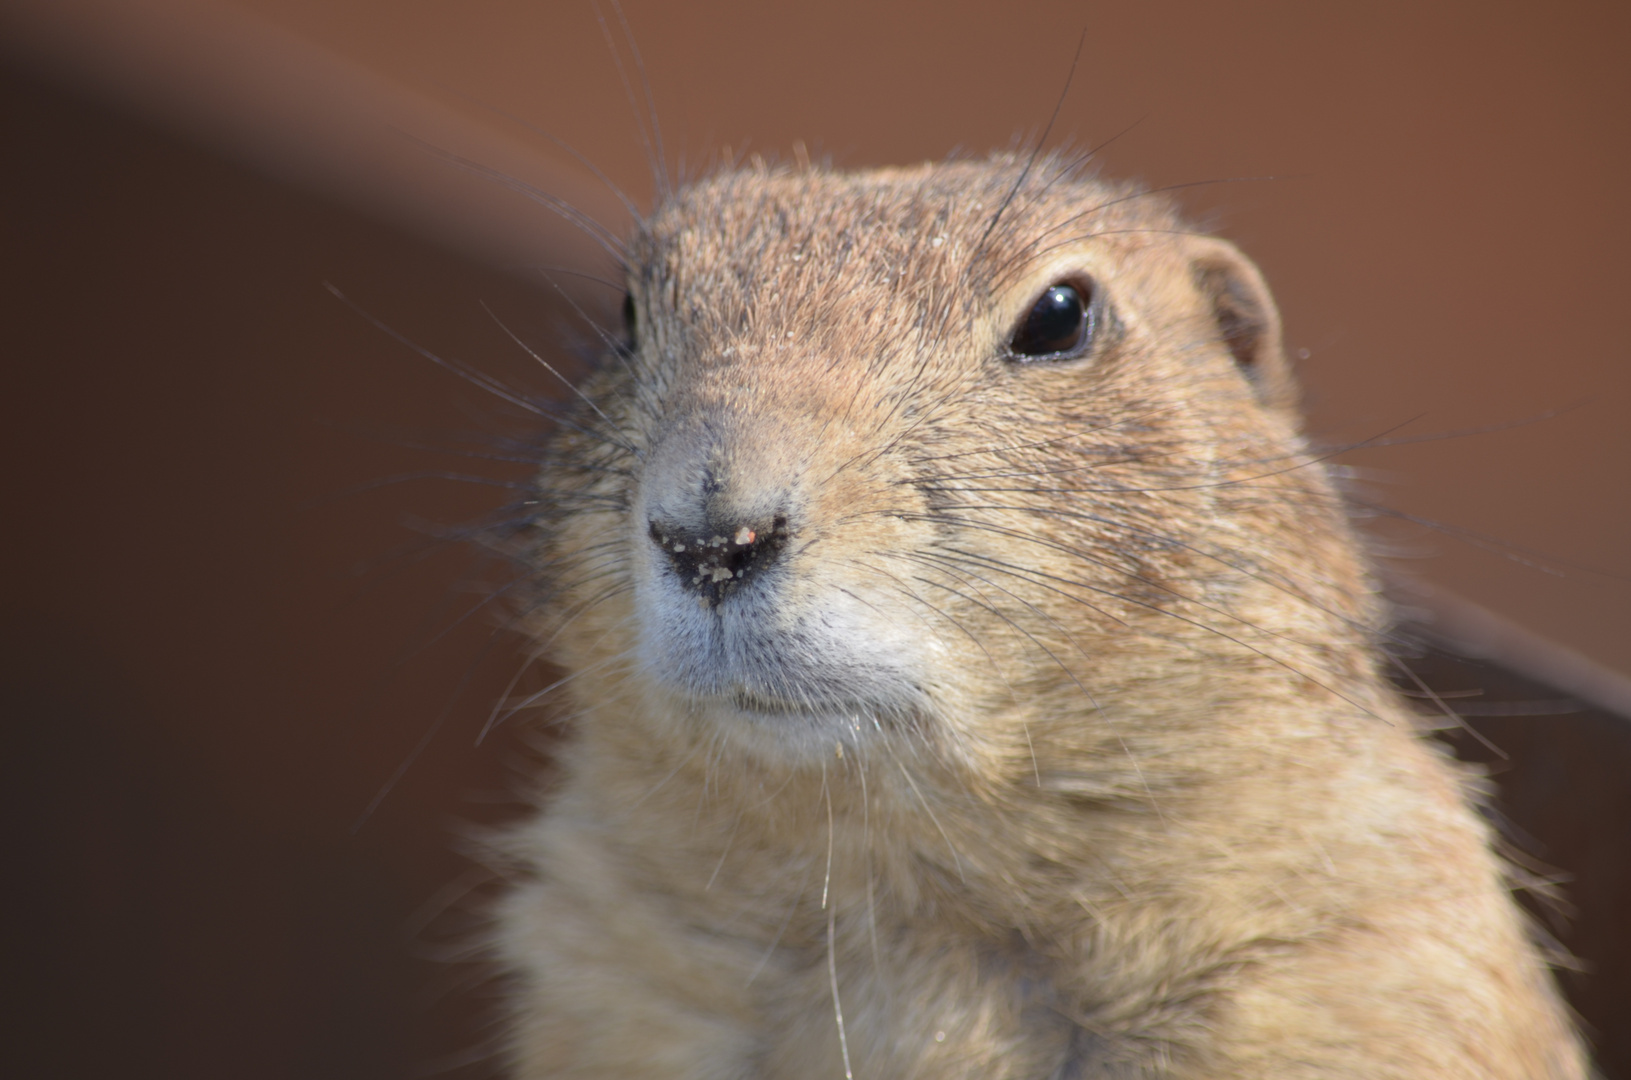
464,371
826,797
424,741
663,188
1024,173
568,383
1099,710
832,977
957,859
608,240
866,853
599,173
1040,578
781,931
1529,557
1444,708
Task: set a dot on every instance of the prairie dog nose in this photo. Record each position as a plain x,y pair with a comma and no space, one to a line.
722,501
716,561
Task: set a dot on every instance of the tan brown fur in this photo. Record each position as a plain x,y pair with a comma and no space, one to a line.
1066,752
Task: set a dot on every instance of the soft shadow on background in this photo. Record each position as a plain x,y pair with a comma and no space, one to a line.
233,618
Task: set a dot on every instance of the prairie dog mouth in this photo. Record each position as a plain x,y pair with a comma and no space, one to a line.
749,702
847,719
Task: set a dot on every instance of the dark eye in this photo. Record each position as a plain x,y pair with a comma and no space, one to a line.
1059,324
628,322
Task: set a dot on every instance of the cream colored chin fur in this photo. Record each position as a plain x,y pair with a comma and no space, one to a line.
940,712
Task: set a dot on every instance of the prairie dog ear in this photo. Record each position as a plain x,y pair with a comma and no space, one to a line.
1247,321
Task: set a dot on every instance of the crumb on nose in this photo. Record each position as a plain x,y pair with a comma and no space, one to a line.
718,564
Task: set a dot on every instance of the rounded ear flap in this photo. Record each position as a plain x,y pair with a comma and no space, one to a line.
1247,321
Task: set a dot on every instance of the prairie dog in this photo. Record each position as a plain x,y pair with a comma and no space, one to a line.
974,674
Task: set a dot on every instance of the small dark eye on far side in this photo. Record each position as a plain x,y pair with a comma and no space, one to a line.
628,320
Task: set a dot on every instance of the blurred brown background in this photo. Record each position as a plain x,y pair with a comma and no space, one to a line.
225,627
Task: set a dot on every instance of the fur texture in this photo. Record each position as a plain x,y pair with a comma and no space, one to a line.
1015,718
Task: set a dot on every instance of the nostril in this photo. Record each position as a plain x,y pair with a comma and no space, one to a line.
716,564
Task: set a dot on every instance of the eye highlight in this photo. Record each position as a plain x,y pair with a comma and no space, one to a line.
1059,325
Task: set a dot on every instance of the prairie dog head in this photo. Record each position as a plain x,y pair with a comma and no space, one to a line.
951,452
